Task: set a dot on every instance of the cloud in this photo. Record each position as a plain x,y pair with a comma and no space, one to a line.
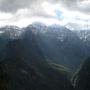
35,6
76,5
14,5
73,13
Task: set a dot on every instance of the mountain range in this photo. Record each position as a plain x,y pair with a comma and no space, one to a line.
40,57
56,42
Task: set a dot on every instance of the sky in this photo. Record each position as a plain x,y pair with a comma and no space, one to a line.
74,14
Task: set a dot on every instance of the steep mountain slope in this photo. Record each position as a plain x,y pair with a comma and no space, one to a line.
59,44
8,33
56,42
27,68
84,35
81,79
36,57
4,78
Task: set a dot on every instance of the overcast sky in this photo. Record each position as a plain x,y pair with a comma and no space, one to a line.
74,14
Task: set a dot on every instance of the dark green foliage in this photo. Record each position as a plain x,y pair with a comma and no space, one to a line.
4,78
61,45
81,79
61,69
28,69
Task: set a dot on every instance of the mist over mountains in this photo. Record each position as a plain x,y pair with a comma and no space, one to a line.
56,42
40,57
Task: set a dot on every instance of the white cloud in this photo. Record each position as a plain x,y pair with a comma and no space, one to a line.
85,3
75,13
5,16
